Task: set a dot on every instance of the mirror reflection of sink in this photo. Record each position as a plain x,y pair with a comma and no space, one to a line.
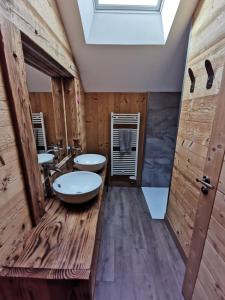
44,158
90,162
77,187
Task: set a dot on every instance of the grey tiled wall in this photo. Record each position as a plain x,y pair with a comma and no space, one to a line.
163,113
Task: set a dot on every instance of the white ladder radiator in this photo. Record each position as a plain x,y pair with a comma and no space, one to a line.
124,164
39,131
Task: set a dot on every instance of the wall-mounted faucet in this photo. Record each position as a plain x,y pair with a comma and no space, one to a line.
54,150
46,172
74,150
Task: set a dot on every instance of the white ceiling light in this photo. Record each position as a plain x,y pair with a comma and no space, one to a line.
128,4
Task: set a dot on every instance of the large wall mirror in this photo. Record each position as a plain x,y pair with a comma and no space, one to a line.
47,110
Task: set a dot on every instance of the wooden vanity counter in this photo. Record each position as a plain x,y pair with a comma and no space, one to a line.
59,258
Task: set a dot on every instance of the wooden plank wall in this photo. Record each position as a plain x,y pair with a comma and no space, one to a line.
82,135
40,20
98,107
59,113
207,41
43,102
210,282
75,113
15,221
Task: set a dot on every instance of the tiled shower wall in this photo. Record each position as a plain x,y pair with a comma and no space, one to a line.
162,121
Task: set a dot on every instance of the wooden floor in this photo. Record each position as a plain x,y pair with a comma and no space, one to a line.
138,258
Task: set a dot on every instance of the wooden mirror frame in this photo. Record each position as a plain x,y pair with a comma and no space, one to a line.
16,49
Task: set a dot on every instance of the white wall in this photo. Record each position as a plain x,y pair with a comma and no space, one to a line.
37,81
115,68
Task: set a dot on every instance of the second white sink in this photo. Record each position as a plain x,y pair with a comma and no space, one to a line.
90,162
77,187
44,158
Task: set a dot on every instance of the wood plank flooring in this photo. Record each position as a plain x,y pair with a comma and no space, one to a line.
138,258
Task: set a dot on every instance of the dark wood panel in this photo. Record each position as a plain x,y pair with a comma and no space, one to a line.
25,288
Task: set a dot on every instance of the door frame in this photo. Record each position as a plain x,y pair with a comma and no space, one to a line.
212,169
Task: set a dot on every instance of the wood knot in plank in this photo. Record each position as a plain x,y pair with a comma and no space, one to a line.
4,183
15,55
2,162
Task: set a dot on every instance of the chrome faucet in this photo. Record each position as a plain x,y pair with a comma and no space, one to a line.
74,150
54,150
46,172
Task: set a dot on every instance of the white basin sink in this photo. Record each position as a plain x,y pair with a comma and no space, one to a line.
44,158
77,187
90,162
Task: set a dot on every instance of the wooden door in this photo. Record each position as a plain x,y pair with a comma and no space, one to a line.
212,169
210,282
207,43
201,138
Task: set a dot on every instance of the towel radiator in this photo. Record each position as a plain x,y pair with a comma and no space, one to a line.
124,164
39,131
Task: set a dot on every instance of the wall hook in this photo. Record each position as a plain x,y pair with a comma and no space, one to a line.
192,78
210,72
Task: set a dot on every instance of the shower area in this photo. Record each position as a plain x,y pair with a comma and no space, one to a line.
161,133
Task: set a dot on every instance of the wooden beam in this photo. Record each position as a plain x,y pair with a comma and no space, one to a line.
64,114
212,169
71,110
59,113
12,61
41,60
41,22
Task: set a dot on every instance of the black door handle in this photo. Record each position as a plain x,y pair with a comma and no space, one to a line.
206,185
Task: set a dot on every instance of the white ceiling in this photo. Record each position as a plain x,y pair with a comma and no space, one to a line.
129,68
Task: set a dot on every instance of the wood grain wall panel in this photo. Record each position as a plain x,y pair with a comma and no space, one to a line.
15,221
210,282
52,107
40,20
59,113
80,105
98,107
75,112
43,102
14,76
207,41
71,110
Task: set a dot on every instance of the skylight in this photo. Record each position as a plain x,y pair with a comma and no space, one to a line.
127,22
152,5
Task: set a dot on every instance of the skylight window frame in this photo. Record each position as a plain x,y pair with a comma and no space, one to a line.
116,7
